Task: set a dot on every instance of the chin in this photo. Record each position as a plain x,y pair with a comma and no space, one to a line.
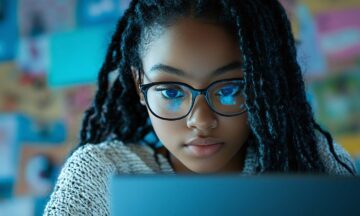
203,169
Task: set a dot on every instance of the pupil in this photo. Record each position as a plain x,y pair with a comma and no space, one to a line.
171,93
227,91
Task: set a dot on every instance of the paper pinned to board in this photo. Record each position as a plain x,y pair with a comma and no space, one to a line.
339,33
8,141
8,29
76,56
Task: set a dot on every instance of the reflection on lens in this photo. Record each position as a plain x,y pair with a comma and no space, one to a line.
174,106
227,98
169,100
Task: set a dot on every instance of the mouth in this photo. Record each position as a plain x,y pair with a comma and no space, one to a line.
204,150
204,147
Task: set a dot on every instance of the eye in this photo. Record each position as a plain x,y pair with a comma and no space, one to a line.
171,93
229,90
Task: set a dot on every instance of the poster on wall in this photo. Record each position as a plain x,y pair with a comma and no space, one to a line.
76,56
77,100
8,30
40,116
8,143
339,33
92,12
38,131
29,97
38,168
46,16
338,104
310,56
33,56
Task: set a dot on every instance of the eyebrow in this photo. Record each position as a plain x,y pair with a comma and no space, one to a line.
224,69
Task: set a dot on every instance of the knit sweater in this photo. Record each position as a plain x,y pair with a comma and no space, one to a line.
82,187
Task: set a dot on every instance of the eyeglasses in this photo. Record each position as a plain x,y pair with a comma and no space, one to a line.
175,100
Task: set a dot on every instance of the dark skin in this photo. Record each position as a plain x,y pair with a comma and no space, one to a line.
200,53
181,168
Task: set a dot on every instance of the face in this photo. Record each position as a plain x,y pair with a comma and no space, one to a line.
198,54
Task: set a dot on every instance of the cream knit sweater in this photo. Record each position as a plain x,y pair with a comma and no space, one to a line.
82,186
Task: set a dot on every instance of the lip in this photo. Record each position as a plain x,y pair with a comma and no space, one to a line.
198,141
204,147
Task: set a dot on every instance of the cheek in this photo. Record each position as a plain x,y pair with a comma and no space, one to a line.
169,132
235,128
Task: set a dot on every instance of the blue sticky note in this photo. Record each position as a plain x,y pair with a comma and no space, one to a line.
6,188
8,30
9,144
54,132
76,57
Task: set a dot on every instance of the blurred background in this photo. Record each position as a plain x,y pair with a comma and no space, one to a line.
50,54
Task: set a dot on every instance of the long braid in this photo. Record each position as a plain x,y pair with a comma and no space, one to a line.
332,149
268,92
94,116
124,120
304,118
255,87
275,112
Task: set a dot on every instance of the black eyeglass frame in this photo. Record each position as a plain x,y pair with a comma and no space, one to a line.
195,92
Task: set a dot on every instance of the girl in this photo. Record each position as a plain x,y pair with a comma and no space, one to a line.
217,82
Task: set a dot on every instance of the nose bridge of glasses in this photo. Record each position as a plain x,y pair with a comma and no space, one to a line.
201,111
198,92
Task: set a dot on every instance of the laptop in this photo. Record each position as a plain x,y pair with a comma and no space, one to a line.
234,195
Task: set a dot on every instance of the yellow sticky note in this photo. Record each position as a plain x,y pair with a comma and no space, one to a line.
327,5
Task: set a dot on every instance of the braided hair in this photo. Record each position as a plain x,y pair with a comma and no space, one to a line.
280,118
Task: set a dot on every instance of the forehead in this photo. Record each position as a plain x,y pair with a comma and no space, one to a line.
193,46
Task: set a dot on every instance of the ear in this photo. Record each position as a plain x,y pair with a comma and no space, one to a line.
136,78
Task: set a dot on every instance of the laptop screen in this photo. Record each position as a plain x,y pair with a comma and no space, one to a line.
234,195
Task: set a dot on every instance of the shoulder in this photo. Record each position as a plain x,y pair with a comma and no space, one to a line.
332,165
82,186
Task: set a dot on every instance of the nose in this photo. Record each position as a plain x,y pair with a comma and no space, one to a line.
201,116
